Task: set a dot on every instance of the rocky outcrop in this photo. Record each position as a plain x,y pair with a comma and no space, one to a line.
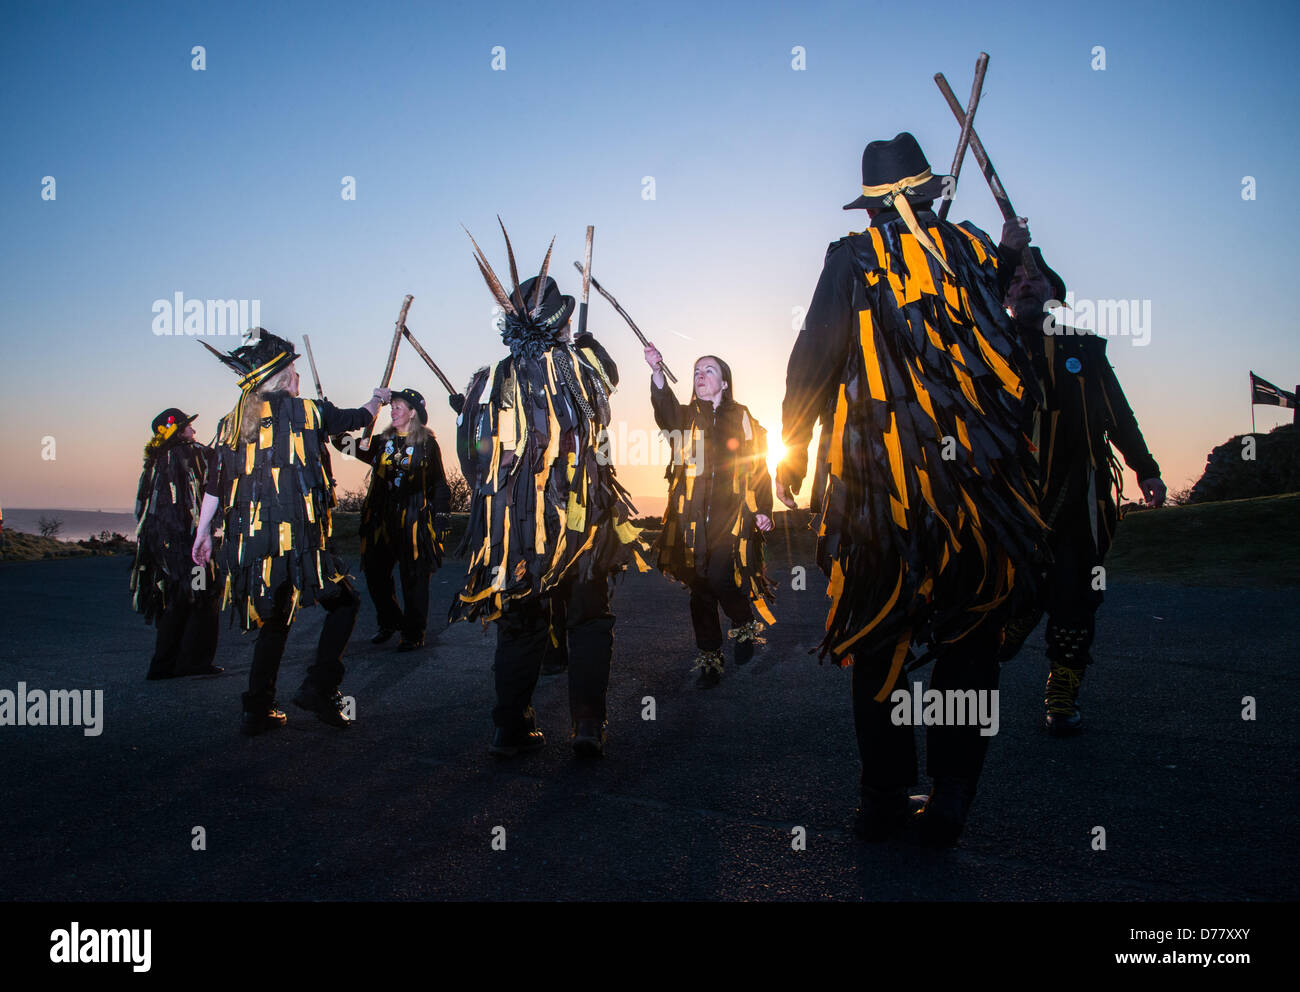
1231,474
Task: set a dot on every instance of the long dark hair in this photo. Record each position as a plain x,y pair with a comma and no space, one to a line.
728,394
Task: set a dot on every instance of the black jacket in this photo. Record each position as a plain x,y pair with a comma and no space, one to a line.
1085,411
408,487
718,480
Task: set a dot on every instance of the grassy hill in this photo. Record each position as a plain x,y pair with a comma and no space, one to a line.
1243,542
16,546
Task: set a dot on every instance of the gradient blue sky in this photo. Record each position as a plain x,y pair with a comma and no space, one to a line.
226,184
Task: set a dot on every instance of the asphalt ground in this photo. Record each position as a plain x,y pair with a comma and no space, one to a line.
699,803
702,804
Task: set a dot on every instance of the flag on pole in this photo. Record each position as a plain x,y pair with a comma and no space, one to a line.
1265,393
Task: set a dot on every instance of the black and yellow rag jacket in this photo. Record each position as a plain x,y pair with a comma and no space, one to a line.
408,488
167,503
545,504
275,499
929,522
718,483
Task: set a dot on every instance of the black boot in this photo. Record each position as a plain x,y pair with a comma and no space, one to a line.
747,638
328,706
883,813
257,722
710,665
589,738
940,821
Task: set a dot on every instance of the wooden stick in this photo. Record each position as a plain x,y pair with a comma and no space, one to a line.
981,66
429,361
990,174
663,366
392,356
306,343
586,282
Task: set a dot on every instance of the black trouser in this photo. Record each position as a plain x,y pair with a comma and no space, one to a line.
954,753
326,672
1069,598
717,587
523,634
187,637
378,566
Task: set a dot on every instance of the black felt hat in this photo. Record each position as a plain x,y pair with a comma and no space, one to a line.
1058,284
412,399
886,162
263,356
556,308
172,417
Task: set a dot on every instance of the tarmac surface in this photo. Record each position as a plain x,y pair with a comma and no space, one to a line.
699,803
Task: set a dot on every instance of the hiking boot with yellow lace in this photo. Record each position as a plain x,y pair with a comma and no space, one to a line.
1061,700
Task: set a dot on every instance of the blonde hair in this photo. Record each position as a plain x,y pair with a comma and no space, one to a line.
416,432
252,421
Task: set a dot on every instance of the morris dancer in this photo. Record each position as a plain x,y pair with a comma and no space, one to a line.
548,522
719,506
399,519
275,499
1080,483
929,524
183,603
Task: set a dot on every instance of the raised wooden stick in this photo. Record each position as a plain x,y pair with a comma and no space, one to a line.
429,361
306,343
586,282
392,356
981,66
663,366
990,174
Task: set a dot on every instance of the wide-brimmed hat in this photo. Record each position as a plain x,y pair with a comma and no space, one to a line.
263,356
412,399
1056,282
535,311
885,164
556,308
173,418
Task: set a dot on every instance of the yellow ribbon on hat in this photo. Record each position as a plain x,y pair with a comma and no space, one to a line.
248,384
891,191
160,436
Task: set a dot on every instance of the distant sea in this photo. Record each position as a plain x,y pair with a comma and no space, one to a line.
78,525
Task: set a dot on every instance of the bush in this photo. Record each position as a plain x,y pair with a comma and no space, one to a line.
350,501
460,492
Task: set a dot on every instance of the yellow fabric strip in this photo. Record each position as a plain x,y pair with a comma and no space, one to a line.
891,191
884,612
896,666
875,381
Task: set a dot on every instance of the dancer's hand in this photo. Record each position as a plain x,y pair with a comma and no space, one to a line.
785,497
1154,490
1015,234
764,522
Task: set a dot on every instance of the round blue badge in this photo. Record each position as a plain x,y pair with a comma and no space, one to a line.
1073,365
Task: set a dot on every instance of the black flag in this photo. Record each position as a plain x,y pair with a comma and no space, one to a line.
1265,393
